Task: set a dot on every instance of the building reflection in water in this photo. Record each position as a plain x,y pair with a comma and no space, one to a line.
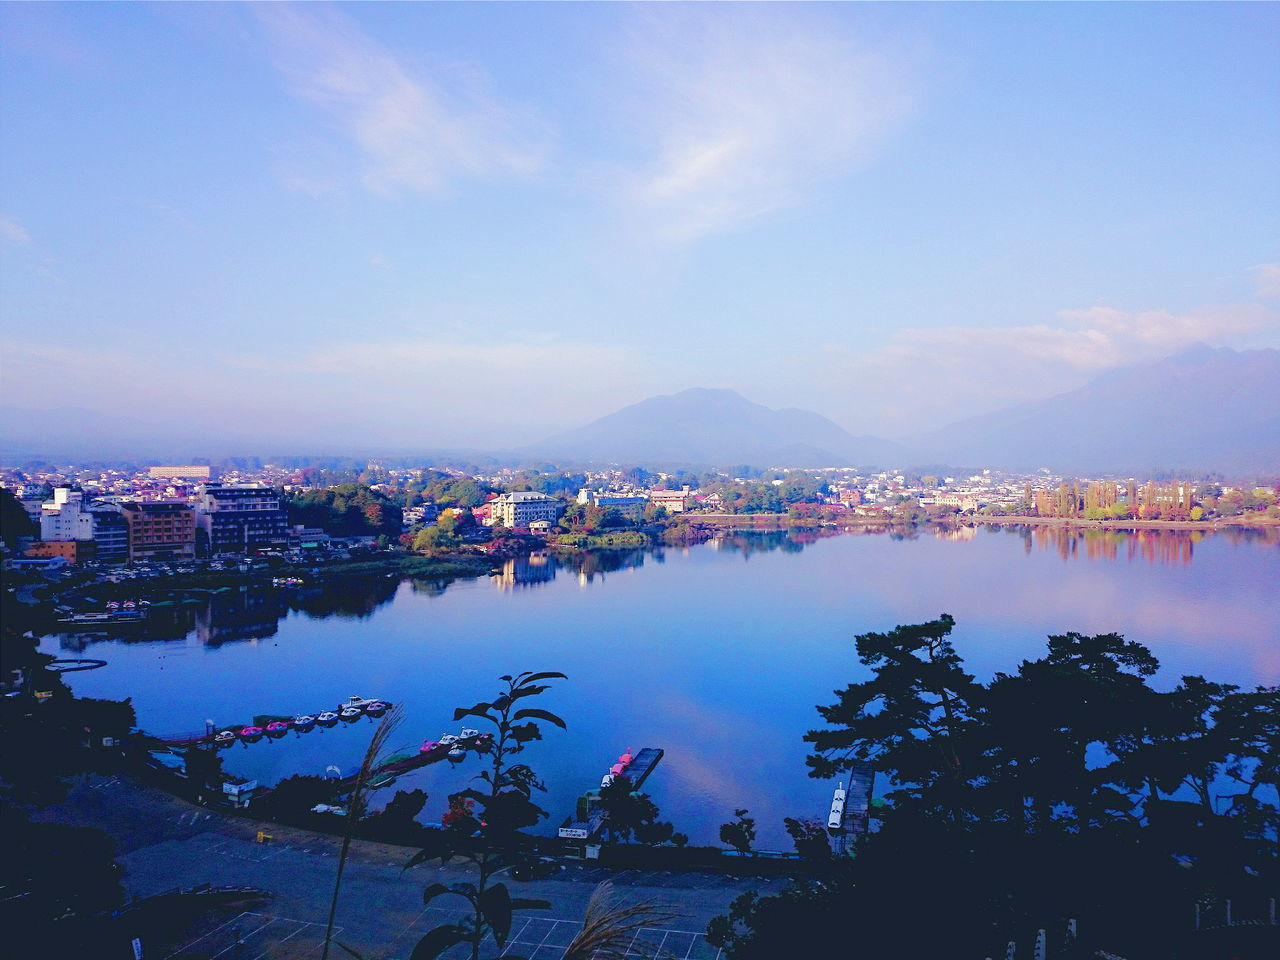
1172,547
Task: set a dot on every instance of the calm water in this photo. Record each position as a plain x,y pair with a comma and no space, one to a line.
717,653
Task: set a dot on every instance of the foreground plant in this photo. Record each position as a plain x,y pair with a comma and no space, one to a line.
356,808
609,927
484,825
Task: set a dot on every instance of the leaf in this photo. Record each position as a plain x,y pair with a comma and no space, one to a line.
433,891
535,677
527,692
539,715
438,847
522,903
481,709
524,732
495,904
436,942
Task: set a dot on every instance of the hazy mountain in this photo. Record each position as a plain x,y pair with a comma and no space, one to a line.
713,427
1201,409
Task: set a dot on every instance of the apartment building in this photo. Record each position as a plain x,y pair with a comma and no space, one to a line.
521,508
239,518
160,530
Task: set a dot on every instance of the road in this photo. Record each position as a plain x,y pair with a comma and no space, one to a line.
164,842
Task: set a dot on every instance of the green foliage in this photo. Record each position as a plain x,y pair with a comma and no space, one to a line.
739,833
810,839
484,825
629,815
1056,790
347,510
14,520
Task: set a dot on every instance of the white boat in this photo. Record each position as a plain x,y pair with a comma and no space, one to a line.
457,753
349,713
468,733
449,738
836,818
327,719
359,703
606,781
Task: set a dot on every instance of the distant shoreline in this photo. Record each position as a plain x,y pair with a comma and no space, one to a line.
1084,524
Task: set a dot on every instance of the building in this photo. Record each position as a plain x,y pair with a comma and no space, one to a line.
110,533
673,501
65,517
191,471
629,507
160,530
73,551
521,508
240,518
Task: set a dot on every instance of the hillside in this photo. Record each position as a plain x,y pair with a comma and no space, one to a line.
713,428
1203,409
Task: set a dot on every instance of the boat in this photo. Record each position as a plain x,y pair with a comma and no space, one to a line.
327,719
616,769
377,708
836,818
277,729
349,714
225,738
359,703
456,753
251,733
606,781
304,722
448,738
428,746
468,733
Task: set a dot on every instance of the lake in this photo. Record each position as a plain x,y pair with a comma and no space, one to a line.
717,653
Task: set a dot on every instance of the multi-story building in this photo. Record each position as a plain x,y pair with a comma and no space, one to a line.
65,517
673,501
628,506
110,533
160,530
189,471
73,551
240,518
521,508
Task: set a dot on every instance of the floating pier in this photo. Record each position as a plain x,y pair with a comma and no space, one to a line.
588,818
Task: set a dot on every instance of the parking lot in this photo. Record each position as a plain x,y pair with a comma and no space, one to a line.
165,843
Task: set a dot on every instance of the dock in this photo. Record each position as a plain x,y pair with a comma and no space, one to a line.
588,819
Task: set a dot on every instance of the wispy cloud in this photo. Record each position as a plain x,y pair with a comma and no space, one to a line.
929,375
1267,276
11,231
419,127
743,110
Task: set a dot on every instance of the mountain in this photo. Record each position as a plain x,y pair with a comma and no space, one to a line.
1203,409
713,428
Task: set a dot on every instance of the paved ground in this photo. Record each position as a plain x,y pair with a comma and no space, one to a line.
165,843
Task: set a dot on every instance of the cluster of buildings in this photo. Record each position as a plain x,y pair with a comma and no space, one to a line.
218,519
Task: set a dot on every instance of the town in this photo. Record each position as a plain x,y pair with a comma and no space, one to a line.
177,514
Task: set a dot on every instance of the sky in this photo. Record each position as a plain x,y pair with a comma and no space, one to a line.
474,225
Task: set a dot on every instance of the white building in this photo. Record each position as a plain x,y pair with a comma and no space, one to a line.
521,508
66,517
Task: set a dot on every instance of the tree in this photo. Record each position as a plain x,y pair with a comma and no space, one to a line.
739,833
486,830
15,523
629,814
810,839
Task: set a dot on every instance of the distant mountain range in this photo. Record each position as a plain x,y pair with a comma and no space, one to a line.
714,427
1203,409
1199,410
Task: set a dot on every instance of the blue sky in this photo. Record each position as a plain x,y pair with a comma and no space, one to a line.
445,224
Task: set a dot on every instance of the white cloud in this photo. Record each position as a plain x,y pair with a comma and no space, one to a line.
742,110
417,128
1268,279
931,375
11,231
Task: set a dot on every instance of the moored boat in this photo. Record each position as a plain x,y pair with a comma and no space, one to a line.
251,733
349,714
277,728
327,719
377,708
304,722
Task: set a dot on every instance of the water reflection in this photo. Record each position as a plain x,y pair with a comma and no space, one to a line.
1166,547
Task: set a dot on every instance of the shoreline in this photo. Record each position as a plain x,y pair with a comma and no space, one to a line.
1081,523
